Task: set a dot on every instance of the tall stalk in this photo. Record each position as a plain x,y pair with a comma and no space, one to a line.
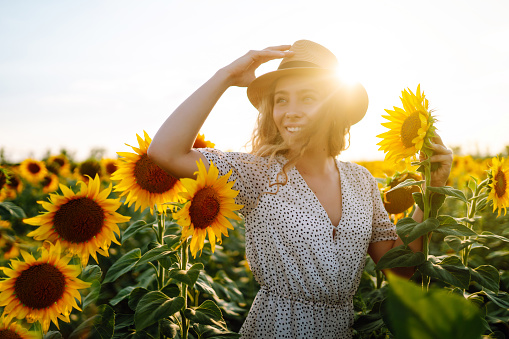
183,289
161,281
471,212
427,209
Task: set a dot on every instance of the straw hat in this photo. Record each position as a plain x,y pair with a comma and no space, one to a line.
314,59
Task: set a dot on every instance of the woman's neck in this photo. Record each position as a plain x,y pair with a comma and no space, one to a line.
316,163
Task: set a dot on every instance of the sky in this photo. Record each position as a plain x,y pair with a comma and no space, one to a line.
81,75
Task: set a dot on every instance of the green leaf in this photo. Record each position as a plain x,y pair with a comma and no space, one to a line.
207,331
123,321
123,265
157,253
169,329
12,210
53,335
449,226
450,191
170,240
154,306
458,244
415,314
406,183
450,270
400,256
171,290
501,299
207,313
99,326
203,284
481,204
93,294
409,230
91,273
139,335
189,276
135,297
419,200
487,276
489,235
437,200
121,295
134,228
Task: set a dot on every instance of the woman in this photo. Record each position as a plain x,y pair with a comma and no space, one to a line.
310,219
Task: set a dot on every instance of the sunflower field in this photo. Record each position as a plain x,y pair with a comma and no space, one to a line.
117,248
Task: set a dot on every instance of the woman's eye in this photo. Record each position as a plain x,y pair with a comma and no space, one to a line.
280,100
309,98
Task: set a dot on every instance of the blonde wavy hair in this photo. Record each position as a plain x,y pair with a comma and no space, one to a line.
266,141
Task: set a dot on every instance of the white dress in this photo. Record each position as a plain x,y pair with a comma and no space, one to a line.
307,277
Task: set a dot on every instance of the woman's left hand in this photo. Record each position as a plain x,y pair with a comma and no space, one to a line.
443,156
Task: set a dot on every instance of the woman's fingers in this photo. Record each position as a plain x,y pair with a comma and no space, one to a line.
279,48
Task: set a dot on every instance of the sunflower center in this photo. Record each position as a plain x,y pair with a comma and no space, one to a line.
9,334
59,161
34,168
40,286
3,179
79,220
410,129
501,185
204,207
91,168
46,181
151,177
111,168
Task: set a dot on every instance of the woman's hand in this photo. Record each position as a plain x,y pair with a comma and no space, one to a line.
242,71
443,156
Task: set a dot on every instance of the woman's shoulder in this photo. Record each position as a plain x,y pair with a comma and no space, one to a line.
356,169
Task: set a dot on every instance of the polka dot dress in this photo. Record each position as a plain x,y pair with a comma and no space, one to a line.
307,277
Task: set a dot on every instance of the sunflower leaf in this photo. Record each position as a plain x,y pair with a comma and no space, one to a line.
158,253
189,276
457,244
450,191
135,297
409,230
154,306
414,313
134,228
487,276
207,331
418,200
123,265
406,183
93,294
12,210
121,295
400,256
99,326
208,313
449,226
450,270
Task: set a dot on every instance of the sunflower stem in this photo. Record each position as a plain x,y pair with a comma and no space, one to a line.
183,289
160,268
427,208
471,212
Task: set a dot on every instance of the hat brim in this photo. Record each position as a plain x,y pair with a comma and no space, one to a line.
355,94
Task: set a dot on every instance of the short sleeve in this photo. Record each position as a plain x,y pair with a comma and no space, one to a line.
383,227
244,172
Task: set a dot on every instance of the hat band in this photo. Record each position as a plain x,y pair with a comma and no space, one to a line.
293,64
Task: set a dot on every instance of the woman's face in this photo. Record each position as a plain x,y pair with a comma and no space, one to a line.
297,103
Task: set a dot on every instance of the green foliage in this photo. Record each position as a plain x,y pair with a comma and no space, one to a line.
412,313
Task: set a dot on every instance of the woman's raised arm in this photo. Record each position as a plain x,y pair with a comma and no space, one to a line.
171,148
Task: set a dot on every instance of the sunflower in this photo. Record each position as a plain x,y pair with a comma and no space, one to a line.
50,183
109,166
59,165
210,201
12,330
401,199
143,181
410,127
498,186
88,168
33,170
200,142
84,222
41,289
4,178
14,186
9,248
